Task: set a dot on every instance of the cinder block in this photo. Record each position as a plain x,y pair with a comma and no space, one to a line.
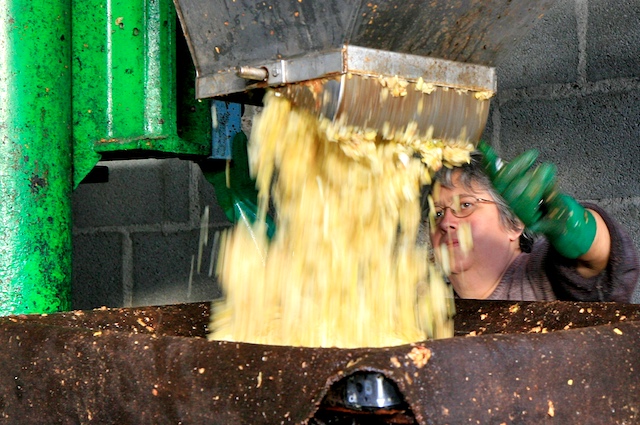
592,140
626,211
175,184
97,271
547,54
138,192
162,265
613,39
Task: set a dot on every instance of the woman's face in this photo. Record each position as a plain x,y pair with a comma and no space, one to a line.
492,243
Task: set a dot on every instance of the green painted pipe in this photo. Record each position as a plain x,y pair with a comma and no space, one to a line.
35,156
130,84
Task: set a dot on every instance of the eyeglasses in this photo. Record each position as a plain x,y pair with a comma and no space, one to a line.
465,206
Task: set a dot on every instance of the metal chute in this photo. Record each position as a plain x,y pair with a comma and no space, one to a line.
333,57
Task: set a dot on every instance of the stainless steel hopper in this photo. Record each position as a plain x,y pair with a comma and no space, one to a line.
333,57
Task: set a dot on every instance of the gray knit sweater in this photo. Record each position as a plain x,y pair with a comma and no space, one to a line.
544,275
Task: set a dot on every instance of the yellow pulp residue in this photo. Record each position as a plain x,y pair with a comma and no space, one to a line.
344,268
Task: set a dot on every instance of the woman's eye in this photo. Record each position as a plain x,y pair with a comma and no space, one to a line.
465,205
438,213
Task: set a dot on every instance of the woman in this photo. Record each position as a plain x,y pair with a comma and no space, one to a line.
583,256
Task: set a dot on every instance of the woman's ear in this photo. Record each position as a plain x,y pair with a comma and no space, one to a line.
515,233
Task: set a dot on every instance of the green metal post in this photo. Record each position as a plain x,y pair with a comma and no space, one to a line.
126,96
35,156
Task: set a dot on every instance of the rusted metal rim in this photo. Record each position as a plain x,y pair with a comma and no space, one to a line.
89,371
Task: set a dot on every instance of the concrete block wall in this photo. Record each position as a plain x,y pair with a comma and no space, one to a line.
135,236
570,88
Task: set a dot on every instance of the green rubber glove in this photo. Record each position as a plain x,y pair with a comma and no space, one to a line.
239,200
534,197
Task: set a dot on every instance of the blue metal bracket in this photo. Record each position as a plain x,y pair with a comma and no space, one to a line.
226,120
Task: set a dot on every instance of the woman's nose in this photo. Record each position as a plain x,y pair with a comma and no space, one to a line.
448,221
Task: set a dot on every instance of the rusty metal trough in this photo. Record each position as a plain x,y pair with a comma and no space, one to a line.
511,362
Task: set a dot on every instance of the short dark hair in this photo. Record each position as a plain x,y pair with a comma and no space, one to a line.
471,176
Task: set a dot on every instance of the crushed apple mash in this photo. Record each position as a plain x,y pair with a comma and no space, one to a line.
344,268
